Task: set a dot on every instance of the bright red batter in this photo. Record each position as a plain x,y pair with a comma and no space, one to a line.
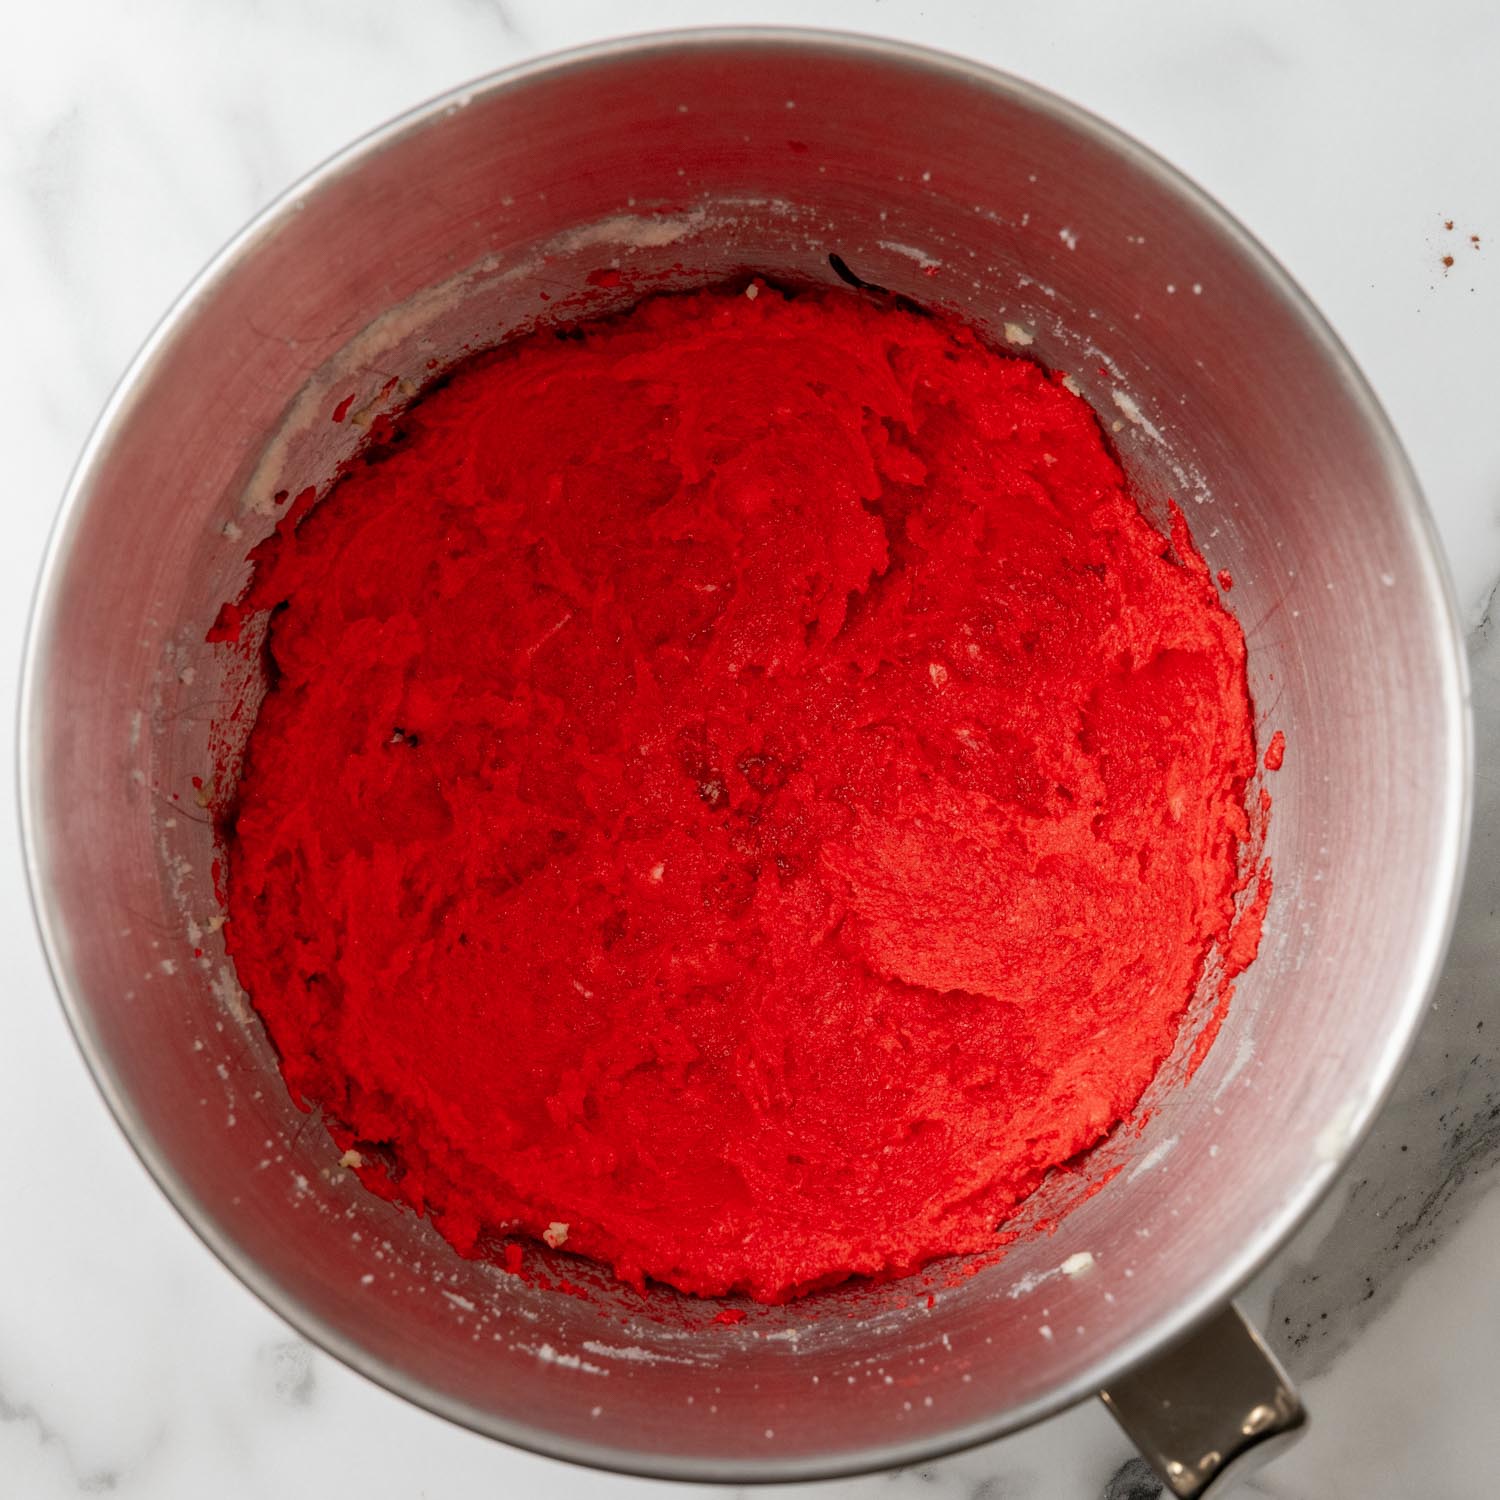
745,784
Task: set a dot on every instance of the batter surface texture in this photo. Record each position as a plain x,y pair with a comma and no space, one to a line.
743,783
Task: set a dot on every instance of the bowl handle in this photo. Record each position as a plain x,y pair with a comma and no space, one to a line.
1215,1402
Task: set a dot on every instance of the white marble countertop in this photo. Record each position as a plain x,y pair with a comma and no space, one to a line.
134,139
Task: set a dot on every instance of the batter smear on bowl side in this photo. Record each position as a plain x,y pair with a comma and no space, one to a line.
743,792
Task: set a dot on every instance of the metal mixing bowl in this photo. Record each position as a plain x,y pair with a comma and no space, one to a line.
686,159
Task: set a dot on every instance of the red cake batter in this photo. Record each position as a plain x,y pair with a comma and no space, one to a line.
743,792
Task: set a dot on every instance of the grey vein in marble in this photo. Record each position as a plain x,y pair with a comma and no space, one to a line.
90,1481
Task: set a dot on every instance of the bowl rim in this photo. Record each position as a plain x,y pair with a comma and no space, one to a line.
1441,887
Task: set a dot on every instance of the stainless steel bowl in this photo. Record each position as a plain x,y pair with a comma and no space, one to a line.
691,157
